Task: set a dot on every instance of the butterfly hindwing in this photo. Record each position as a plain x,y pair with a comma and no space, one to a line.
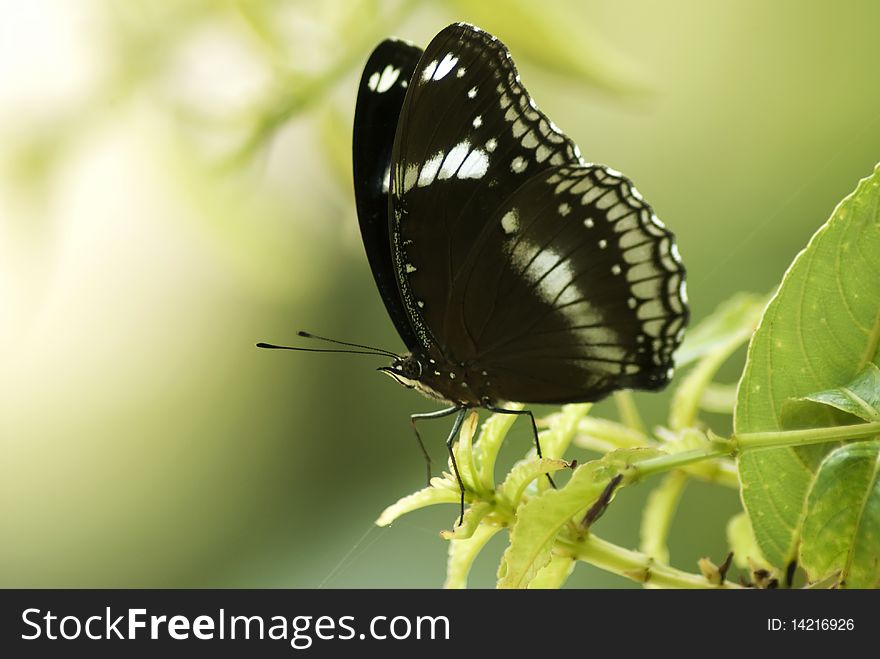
587,289
381,94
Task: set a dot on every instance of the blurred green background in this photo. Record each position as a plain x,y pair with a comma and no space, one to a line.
175,185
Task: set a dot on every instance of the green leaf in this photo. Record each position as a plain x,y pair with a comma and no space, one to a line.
841,531
428,496
464,453
491,437
554,574
462,554
540,519
861,397
821,329
556,440
741,539
523,473
469,524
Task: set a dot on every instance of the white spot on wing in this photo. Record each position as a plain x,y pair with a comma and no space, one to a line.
491,144
518,165
510,222
475,165
454,159
387,79
373,82
410,177
430,169
564,209
428,71
472,92
445,66
478,121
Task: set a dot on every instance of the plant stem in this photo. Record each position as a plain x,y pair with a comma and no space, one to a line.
781,438
635,565
720,446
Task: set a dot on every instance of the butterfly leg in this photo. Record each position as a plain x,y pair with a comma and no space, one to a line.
501,410
439,414
450,441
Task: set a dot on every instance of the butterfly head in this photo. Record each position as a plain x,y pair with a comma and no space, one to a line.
406,370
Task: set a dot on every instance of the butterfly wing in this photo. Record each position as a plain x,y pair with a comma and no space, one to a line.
588,291
551,276
467,138
380,98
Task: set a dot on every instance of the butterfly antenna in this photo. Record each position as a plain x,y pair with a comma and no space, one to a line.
272,346
379,351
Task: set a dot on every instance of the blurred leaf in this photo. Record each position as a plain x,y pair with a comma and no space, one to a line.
554,574
741,539
821,329
734,319
841,531
556,40
718,398
658,513
335,134
555,440
861,397
462,554
603,435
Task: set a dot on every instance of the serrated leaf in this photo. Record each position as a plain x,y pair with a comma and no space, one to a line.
462,554
469,523
428,496
523,473
554,574
841,530
821,328
741,539
861,397
540,519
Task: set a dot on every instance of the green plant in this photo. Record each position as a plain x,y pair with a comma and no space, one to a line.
805,451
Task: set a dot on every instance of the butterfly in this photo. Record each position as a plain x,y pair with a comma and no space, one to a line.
512,269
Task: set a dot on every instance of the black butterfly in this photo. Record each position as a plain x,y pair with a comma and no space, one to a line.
512,269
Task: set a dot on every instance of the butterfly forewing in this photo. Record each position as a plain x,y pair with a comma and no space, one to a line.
468,137
382,90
